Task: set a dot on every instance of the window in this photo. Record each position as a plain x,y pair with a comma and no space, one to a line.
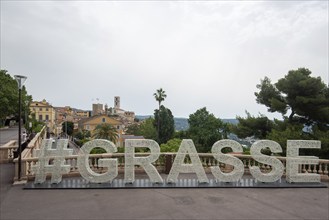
47,109
40,117
40,109
103,120
118,127
47,117
87,127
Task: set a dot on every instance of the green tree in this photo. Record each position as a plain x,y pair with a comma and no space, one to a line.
147,129
83,134
181,135
171,146
134,129
106,131
68,127
9,97
166,128
306,100
82,137
283,131
36,125
204,129
250,126
225,130
159,96
306,97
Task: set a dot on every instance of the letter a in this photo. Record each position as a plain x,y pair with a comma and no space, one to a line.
187,148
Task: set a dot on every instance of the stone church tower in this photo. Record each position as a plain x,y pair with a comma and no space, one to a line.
116,102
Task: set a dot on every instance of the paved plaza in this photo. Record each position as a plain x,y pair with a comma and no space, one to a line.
219,203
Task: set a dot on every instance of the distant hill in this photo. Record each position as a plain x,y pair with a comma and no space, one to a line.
143,117
231,121
181,124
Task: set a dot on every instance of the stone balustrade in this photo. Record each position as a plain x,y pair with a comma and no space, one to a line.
166,159
27,153
7,151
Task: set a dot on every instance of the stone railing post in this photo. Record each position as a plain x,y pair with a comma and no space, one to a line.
7,151
168,163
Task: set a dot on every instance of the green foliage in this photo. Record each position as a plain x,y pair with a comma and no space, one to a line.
97,150
270,96
181,135
284,131
306,97
250,126
147,129
106,131
67,127
9,97
171,146
307,100
36,125
226,129
134,129
246,151
160,96
121,150
204,129
81,137
164,122
82,134
323,136
81,142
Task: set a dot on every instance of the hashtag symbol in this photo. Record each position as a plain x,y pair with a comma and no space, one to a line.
58,167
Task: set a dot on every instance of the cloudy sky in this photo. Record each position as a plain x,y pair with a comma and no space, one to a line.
203,54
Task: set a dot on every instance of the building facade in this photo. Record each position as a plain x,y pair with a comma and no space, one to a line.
44,112
91,123
97,109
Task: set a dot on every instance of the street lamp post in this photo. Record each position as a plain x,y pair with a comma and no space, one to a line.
65,125
20,81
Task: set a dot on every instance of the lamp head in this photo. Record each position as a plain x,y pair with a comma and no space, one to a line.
20,80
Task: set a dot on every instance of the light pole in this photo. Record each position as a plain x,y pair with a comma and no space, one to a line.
65,125
20,81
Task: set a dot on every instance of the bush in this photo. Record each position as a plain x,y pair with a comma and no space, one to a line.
97,150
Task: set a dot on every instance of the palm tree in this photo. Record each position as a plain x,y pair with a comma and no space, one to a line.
106,131
159,96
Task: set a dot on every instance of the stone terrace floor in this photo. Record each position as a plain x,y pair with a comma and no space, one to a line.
218,203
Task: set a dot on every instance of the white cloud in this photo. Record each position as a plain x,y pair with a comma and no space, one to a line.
202,53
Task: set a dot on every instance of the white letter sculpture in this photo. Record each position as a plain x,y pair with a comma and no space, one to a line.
238,170
277,166
187,148
294,161
45,153
111,164
145,162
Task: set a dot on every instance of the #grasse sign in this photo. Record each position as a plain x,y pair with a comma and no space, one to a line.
187,148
